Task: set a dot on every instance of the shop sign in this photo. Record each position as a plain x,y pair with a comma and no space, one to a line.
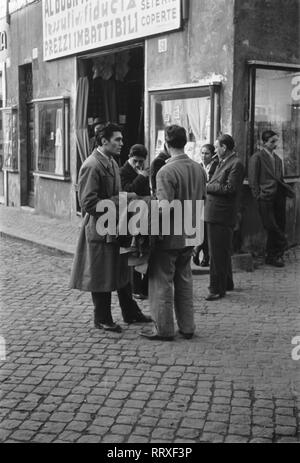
73,26
3,40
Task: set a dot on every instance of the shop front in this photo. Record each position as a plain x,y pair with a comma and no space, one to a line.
210,66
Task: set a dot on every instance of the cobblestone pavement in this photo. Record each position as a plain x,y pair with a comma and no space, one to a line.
64,381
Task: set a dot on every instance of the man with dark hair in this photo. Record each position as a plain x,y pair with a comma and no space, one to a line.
266,179
134,177
220,213
155,166
98,266
181,179
210,164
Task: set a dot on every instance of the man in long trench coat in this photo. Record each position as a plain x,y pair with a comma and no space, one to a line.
98,266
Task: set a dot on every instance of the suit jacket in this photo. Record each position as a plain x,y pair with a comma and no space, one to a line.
262,184
223,192
212,169
155,166
98,265
133,182
183,179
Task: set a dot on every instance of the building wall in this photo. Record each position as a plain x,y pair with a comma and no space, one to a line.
202,50
265,31
50,79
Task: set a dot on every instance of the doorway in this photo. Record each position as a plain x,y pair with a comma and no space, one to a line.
115,94
27,128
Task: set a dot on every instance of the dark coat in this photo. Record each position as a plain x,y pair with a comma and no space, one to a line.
212,169
98,265
155,166
263,185
223,192
132,182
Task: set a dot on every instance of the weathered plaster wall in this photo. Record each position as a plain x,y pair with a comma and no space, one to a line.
203,50
265,30
50,79
14,189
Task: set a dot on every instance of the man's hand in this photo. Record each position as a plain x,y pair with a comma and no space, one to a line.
145,172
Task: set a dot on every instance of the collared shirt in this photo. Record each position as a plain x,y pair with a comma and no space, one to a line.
272,158
207,168
108,158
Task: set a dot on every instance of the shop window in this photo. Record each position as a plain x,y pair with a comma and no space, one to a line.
275,105
10,138
196,109
52,137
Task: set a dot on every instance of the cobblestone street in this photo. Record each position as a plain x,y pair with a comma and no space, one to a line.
64,381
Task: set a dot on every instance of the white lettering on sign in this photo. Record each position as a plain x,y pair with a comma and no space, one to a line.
72,26
296,89
3,41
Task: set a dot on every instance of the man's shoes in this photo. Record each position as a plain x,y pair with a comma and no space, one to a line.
186,335
108,327
275,261
214,297
154,336
139,317
205,263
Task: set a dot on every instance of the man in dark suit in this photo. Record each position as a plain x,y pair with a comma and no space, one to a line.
220,213
265,179
209,163
155,166
134,177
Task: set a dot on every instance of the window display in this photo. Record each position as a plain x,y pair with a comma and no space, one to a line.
10,138
277,108
52,139
190,108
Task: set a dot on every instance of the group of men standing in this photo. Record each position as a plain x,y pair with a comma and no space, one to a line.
100,268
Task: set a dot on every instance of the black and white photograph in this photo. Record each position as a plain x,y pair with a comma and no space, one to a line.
149,224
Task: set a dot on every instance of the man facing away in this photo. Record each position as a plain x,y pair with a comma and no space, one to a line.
265,178
98,266
179,179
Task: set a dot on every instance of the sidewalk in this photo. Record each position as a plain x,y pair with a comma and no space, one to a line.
24,224
55,234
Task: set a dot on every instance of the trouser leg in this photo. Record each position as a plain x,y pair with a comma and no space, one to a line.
205,244
161,275
140,283
183,292
280,218
102,307
128,305
229,282
219,239
274,222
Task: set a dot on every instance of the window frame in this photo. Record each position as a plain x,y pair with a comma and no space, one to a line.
12,113
65,102
252,68
184,92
